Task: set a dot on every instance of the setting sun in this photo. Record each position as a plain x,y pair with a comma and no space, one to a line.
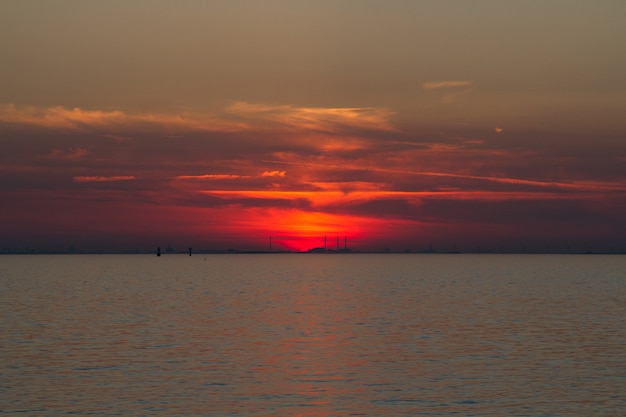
298,230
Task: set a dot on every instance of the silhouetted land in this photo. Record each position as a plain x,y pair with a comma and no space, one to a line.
310,252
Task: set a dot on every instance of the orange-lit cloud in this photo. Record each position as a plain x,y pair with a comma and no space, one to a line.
321,199
316,197
436,85
239,117
315,118
211,177
103,178
571,185
273,173
59,116
77,118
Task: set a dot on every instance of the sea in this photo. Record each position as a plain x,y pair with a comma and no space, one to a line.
313,335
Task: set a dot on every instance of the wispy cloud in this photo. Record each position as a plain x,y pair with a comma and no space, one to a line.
315,118
274,173
239,116
68,154
582,186
320,200
211,177
77,118
436,85
103,178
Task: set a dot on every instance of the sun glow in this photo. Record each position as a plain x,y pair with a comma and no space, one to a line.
299,230
302,230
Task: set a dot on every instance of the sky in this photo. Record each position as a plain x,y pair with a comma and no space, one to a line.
384,125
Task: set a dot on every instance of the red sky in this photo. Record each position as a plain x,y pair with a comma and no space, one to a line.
400,127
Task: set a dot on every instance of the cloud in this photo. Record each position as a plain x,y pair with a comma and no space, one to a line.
573,185
56,117
81,119
274,173
386,204
239,116
68,154
326,119
103,178
436,85
211,177
229,176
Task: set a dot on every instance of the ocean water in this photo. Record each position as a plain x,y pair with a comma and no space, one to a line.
313,335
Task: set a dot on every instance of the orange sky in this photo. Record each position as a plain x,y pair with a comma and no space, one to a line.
397,125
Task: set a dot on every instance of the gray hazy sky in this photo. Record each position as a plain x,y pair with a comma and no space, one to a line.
552,63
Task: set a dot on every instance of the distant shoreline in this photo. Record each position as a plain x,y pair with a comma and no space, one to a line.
204,253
